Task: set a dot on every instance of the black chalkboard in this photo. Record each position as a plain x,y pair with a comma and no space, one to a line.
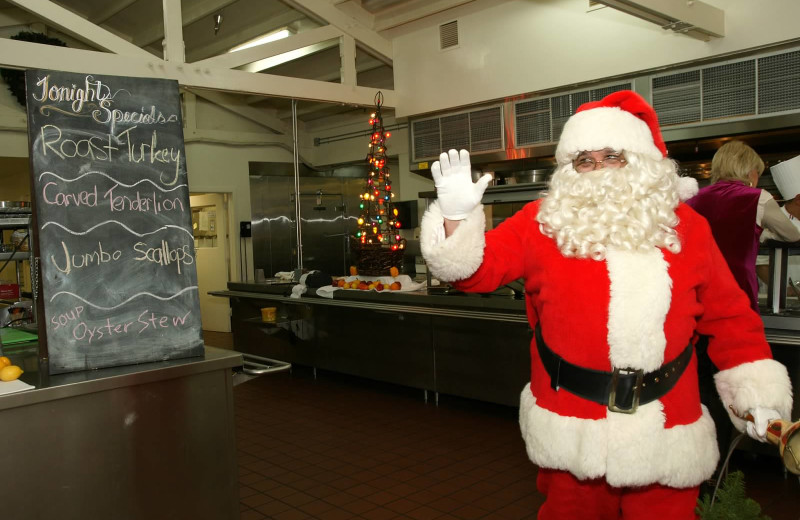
115,245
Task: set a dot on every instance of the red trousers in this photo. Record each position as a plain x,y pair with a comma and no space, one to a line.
571,499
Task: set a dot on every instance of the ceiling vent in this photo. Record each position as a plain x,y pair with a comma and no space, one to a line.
540,120
732,90
448,35
477,131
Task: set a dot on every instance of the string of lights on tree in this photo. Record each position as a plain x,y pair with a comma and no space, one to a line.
378,223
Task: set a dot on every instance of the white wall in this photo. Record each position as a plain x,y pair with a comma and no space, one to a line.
526,46
223,168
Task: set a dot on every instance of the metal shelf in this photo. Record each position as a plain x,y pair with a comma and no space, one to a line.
14,222
18,256
19,220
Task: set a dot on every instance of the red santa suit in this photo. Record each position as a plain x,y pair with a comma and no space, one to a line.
634,310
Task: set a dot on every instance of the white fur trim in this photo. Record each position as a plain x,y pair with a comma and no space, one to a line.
459,255
687,187
641,291
627,450
605,127
762,383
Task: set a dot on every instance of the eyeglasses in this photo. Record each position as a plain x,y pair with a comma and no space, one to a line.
586,161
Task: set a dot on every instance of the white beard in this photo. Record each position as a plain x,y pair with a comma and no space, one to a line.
630,208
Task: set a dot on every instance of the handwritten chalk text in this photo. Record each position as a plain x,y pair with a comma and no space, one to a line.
91,91
165,255
97,257
84,331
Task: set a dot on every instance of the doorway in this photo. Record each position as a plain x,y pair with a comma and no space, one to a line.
210,225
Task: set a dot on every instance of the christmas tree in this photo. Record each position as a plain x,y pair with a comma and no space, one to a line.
378,226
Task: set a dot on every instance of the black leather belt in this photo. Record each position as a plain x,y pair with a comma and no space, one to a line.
623,389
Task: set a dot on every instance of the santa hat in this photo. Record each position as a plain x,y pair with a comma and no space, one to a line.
622,120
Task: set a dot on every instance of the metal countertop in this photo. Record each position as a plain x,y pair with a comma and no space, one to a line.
60,386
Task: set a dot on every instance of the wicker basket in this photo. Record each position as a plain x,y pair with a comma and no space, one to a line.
375,260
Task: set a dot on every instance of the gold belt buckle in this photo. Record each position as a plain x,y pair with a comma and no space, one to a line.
612,395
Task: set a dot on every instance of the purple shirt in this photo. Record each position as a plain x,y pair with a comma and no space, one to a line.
730,208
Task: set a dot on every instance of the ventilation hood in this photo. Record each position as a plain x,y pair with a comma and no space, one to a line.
756,99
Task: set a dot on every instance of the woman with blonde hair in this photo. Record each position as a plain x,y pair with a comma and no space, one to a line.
738,212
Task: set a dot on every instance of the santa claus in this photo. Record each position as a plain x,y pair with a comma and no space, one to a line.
620,277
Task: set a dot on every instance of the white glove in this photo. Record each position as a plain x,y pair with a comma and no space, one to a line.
456,192
761,418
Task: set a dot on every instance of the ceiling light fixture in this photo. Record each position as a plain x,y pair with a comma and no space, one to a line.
690,17
261,40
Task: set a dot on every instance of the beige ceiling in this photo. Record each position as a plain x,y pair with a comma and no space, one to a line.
136,30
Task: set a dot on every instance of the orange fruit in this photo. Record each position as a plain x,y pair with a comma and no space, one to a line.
4,361
394,272
10,373
395,286
353,270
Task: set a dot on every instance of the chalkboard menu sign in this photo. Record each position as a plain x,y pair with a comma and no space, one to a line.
118,275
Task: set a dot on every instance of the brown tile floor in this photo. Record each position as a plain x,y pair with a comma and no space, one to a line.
346,448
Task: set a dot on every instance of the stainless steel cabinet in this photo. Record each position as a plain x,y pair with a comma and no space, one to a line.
389,346
291,338
482,359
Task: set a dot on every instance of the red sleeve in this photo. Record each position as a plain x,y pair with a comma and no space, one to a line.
506,252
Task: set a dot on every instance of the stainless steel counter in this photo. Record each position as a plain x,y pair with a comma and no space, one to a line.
457,338
62,386
460,305
781,328
155,440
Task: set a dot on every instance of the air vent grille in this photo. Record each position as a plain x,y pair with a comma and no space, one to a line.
677,98
779,83
427,138
533,122
746,88
455,132
477,131
540,121
729,90
486,129
448,35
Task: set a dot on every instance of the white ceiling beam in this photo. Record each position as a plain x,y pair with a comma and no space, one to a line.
286,57
72,24
196,10
303,110
354,9
13,121
27,55
347,55
222,44
412,11
365,66
174,50
231,60
112,8
377,45
695,18
238,105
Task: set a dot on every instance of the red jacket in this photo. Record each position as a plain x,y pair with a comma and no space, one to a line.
635,310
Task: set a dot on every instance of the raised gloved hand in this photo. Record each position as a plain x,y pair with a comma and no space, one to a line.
457,194
757,429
